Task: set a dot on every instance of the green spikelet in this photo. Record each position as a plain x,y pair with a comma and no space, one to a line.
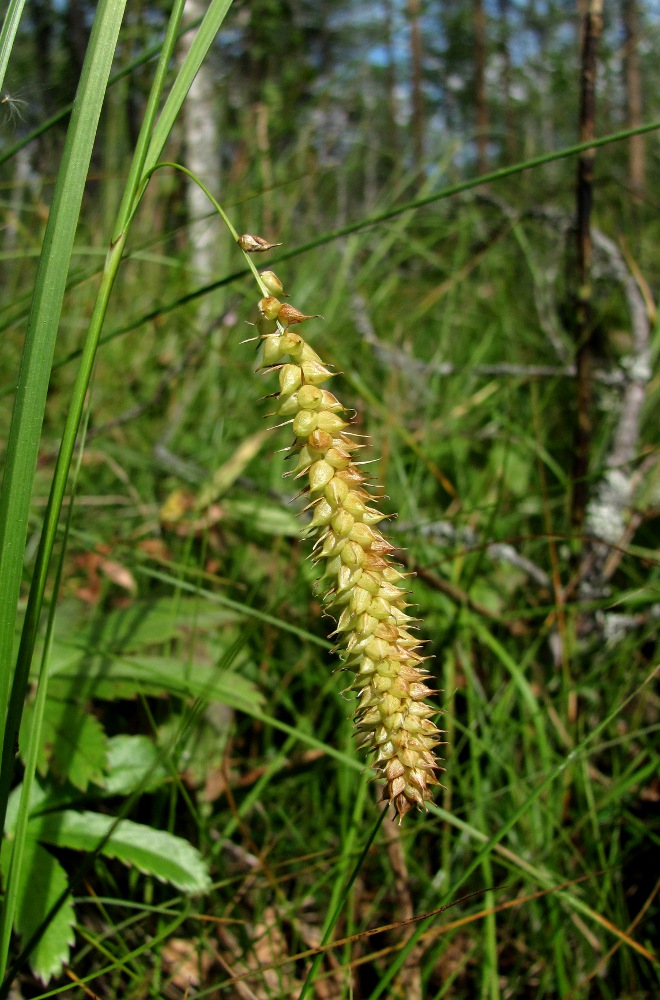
361,584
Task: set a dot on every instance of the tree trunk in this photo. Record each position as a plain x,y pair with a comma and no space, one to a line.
509,122
416,74
42,19
18,200
590,32
633,88
203,159
390,83
78,37
481,105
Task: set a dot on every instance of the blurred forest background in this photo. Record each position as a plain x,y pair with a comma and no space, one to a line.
500,347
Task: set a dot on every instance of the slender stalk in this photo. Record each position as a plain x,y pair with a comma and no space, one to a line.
336,913
8,34
150,141
355,227
377,219
34,745
29,406
58,486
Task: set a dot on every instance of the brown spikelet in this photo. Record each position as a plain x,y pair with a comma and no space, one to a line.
363,587
255,244
289,315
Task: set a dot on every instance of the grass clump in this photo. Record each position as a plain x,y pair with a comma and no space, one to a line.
188,690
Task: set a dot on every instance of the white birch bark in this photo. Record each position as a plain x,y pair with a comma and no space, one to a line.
202,157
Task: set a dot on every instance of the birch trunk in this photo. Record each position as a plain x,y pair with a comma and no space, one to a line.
202,157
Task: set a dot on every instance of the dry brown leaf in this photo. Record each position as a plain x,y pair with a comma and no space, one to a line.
185,963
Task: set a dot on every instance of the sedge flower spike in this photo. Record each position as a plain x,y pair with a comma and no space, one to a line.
361,584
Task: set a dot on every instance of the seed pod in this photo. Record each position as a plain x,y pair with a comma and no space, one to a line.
255,244
270,307
292,344
289,315
272,349
272,282
310,397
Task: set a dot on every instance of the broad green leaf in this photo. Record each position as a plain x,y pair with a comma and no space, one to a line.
154,852
73,743
124,677
146,624
41,883
43,796
132,760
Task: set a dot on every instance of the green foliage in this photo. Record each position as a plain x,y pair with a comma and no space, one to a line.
132,762
125,659
45,905
42,887
73,743
187,661
153,852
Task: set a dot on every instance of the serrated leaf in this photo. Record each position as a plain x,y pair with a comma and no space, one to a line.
61,656
132,760
73,743
154,852
41,883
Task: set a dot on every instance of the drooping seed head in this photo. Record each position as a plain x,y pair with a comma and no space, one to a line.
359,578
272,282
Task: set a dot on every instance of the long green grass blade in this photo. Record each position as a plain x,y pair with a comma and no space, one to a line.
113,260
43,322
16,874
127,208
39,347
8,34
492,842
201,44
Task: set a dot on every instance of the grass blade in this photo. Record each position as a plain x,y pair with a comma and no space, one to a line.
38,351
8,34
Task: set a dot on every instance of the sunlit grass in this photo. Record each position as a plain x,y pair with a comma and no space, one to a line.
553,733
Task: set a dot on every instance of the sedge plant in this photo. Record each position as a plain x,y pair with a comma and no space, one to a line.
361,585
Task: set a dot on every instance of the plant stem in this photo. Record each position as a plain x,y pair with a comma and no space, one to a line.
313,969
